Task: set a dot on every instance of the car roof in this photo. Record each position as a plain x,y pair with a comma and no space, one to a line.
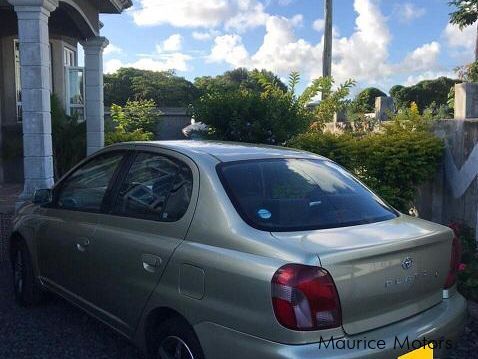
229,151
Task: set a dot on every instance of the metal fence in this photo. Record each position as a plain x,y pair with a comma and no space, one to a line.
5,227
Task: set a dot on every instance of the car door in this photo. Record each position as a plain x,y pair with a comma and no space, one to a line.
149,216
69,222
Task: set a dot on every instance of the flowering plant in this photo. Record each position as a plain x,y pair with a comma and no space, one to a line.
468,269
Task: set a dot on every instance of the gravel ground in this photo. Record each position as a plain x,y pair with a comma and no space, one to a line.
54,330
57,329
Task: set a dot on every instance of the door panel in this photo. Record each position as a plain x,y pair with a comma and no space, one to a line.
128,255
128,258
69,224
62,264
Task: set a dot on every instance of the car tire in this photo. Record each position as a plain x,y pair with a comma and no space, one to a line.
26,287
176,339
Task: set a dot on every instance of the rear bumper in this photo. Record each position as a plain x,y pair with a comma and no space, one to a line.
443,323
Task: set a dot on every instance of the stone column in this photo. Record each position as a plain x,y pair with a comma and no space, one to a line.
94,98
384,106
466,101
35,81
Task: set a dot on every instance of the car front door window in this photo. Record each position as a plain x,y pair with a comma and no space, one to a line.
85,189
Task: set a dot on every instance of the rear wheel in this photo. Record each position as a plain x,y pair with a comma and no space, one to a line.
175,339
26,287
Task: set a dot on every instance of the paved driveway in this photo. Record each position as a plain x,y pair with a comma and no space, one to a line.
54,330
57,329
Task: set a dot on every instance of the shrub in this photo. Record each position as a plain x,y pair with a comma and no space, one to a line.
273,115
120,135
468,73
136,115
136,121
392,162
423,93
468,275
68,137
364,102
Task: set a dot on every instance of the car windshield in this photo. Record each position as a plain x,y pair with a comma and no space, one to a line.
299,194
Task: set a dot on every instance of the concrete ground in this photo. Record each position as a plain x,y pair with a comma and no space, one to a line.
56,329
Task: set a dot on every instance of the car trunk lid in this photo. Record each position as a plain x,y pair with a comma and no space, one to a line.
384,272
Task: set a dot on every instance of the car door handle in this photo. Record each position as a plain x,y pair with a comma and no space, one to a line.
151,262
83,244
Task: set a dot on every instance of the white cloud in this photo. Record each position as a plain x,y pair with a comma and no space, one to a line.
166,57
463,39
233,14
319,25
363,55
112,49
427,75
174,61
112,66
229,48
205,35
461,43
408,12
173,43
248,14
422,58
282,52
285,2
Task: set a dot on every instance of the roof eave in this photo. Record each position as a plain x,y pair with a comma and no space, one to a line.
121,5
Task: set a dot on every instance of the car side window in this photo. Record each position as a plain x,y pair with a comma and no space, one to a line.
156,188
85,189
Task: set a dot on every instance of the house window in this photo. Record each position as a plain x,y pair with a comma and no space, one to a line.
18,86
69,57
75,85
75,92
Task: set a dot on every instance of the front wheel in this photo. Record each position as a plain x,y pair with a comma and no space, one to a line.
175,339
26,287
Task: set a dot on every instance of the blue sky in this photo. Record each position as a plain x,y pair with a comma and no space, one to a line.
376,42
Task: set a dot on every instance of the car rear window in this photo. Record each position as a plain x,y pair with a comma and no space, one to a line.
299,194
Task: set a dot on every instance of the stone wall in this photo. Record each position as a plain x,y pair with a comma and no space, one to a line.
171,123
452,196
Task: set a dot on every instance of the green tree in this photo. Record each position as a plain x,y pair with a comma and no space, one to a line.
239,78
364,102
424,93
465,14
468,73
165,87
136,121
393,161
272,115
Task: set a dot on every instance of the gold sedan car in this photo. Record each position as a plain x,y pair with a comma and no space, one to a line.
219,250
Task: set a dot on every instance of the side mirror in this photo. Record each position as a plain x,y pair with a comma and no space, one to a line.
42,196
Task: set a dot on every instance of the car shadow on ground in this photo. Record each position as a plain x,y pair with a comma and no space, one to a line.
55,329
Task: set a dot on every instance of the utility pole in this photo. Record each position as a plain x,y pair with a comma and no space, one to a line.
327,55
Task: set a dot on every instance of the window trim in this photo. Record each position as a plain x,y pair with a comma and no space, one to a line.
18,81
70,50
122,178
59,187
246,218
69,107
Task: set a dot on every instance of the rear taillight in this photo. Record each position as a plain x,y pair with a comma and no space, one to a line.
305,298
454,263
